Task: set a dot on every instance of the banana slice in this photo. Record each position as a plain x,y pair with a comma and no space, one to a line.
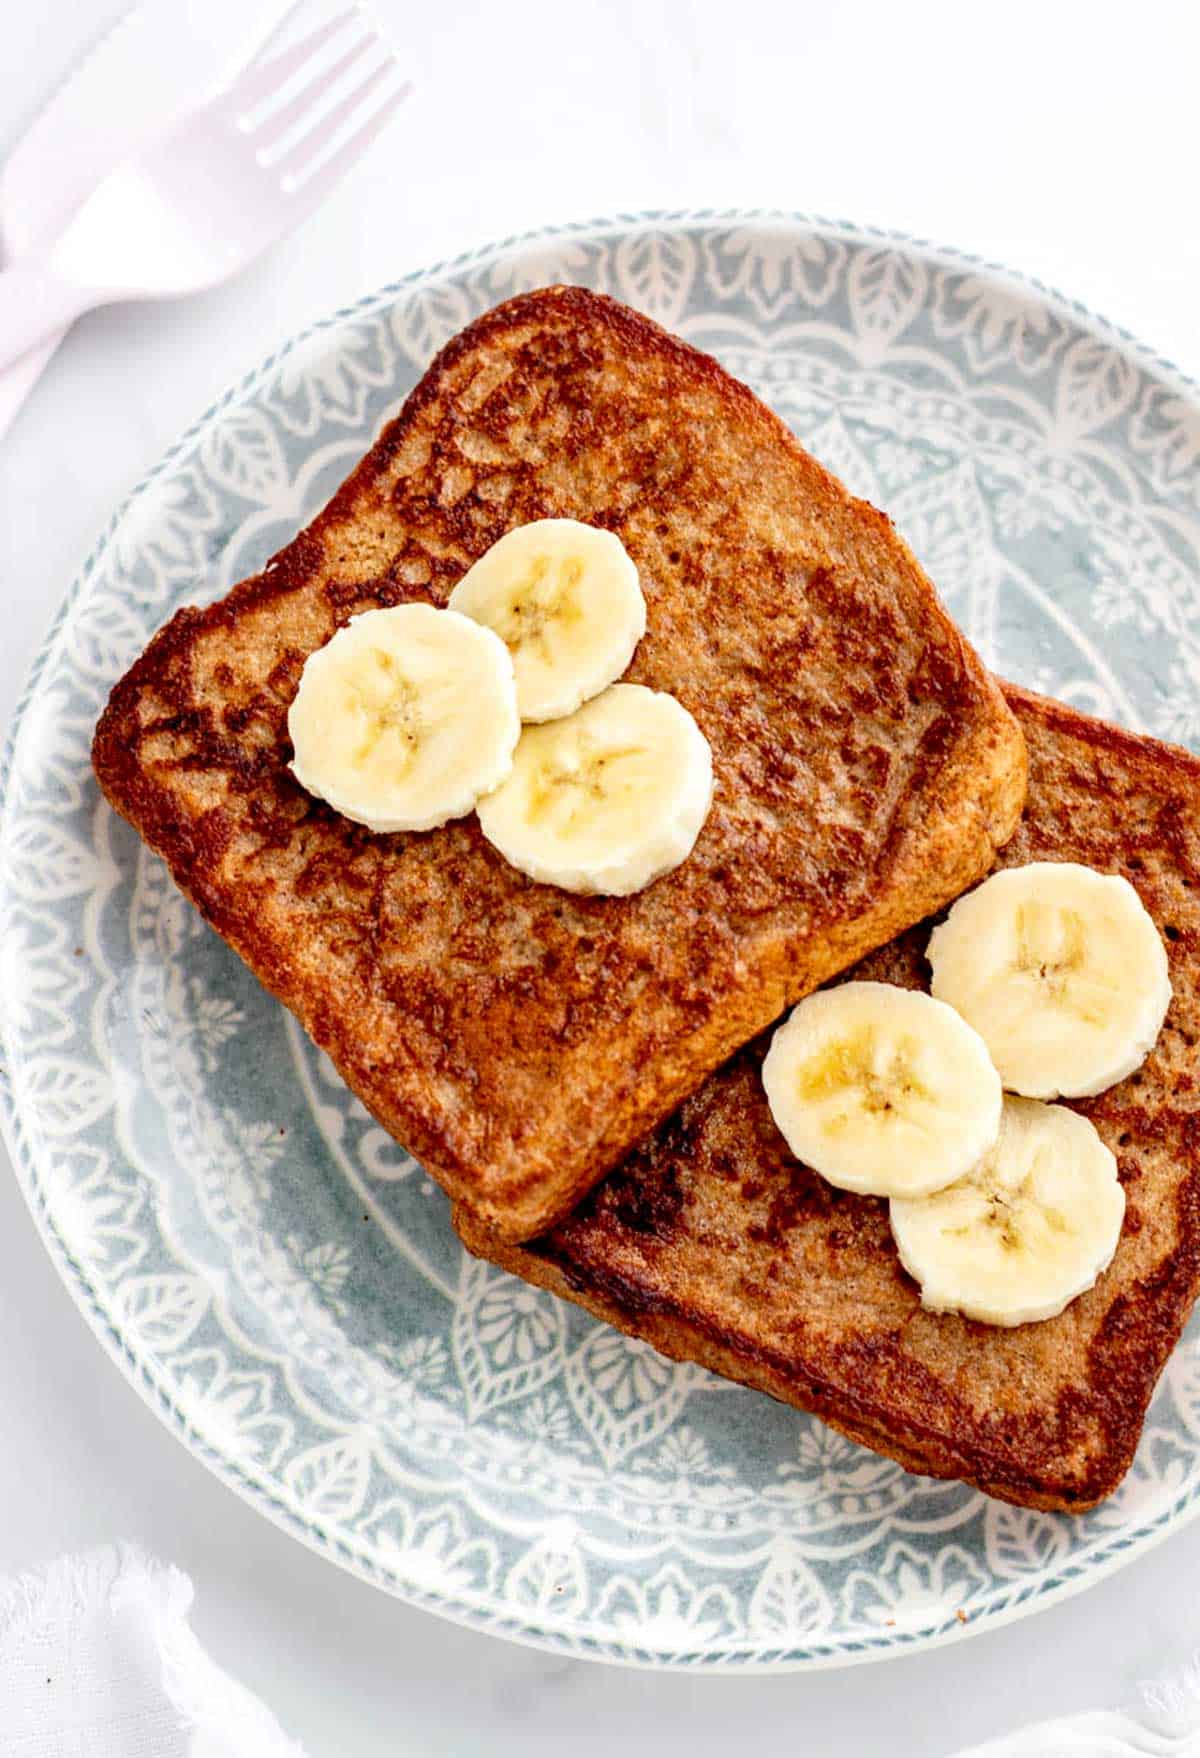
607,799
405,717
882,1090
565,600
1061,971
1025,1232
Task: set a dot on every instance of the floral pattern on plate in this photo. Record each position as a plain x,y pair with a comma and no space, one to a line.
277,1276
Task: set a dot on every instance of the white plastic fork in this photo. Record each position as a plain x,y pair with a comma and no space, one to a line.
207,197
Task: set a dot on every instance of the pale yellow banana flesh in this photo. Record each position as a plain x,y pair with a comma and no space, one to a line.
405,717
565,599
607,799
882,1090
1062,972
1026,1231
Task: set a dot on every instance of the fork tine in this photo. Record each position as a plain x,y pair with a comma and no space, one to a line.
295,173
262,79
280,122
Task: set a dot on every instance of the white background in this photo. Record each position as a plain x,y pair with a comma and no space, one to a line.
1059,138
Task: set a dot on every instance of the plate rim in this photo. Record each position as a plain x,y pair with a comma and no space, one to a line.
1111,1553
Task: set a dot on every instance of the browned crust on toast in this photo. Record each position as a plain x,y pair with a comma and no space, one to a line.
715,1245
519,1039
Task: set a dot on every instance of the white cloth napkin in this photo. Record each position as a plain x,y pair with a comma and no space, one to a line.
97,1660
1165,1724
1100,1735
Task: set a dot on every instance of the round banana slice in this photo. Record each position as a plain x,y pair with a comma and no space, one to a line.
565,599
882,1090
1026,1231
405,717
1062,973
607,799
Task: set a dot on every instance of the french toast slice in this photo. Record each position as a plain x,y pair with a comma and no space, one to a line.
715,1245
519,1039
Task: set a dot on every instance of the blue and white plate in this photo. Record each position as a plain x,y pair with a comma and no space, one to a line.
277,1277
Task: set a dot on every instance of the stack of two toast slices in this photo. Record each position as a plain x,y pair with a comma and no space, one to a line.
561,1063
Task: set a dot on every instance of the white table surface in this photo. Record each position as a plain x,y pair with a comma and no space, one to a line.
1057,138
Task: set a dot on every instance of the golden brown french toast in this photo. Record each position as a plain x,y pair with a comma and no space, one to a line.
518,1039
715,1245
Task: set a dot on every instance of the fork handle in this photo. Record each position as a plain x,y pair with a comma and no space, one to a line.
36,303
